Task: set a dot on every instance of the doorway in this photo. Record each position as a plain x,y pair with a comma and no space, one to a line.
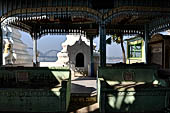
80,60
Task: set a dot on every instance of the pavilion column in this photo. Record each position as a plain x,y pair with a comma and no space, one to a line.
35,50
146,42
102,32
91,58
1,46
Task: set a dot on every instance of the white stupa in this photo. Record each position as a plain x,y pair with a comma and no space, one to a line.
15,51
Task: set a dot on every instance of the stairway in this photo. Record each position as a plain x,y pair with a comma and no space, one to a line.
83,95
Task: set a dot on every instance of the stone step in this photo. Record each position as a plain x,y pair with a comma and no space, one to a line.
83,104
83,95
83,98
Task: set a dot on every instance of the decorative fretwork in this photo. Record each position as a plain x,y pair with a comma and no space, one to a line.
159,25
130,15
53,13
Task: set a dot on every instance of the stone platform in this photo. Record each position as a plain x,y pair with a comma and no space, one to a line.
83,95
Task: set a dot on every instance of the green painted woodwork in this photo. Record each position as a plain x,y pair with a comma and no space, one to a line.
141,72
102,29
27,89
147,36
1,48
135,50
137,94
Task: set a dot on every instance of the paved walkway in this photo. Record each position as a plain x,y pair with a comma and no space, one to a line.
83,95
83,85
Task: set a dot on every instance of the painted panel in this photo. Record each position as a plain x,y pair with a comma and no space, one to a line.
156,53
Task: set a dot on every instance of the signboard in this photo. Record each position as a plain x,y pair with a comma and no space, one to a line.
156,53
22,76
128,76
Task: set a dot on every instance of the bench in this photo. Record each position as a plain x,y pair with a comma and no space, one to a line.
131,88
38,89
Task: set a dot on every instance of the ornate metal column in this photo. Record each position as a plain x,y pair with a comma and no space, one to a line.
35,49
102,32
92,59
146,42
1,46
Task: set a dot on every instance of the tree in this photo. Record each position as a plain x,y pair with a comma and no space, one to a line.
118,38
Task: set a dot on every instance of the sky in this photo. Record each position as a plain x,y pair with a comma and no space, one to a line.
53,42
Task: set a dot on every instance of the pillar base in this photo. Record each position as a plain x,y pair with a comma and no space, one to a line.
37,64
92,70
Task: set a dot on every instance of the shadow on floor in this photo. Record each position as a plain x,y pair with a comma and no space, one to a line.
80,90
83,95
83,107
83,78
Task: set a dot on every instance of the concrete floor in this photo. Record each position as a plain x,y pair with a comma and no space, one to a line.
83,85
83,95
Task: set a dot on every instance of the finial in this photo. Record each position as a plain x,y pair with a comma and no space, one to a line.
80,39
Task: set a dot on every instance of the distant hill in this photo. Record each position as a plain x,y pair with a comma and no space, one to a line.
48,56
114,59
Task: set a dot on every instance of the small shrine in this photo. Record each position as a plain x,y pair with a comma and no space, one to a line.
76,55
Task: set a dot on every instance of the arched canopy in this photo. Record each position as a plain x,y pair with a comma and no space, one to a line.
51,16
84,16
